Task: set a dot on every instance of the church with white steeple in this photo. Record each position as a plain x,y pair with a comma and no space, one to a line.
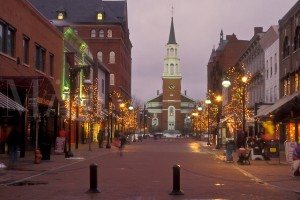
170,110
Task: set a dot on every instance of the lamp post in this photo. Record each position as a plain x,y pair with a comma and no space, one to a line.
219,134
226,84
131,108
244,80
208,102
199,115
88,83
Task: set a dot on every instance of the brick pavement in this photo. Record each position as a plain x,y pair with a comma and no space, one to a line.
275,172
264,172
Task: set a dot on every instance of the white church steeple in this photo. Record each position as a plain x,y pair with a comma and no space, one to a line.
172,61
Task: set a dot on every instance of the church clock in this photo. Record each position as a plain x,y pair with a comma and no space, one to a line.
172,86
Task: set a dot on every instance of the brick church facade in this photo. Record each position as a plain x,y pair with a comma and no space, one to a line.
171,109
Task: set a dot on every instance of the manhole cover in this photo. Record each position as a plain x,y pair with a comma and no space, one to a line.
29,183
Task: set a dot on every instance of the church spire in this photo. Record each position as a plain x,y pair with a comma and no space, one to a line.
172,39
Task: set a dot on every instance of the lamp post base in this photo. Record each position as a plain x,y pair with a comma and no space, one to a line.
69,154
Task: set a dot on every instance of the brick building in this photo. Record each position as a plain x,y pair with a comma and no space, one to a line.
30,67
103,25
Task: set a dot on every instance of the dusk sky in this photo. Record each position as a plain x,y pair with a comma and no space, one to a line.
197,29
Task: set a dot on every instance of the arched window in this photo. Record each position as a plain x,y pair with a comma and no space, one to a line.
168,52
175,52
171,111
101,33
100,56
171,68
297,39
99,16
109,33
286,47
112,79
112,57
93,33
171,52
60,15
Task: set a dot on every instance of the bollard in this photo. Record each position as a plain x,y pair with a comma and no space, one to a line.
176,181
93,179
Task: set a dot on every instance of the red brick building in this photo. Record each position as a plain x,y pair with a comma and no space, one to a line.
103,25
30,66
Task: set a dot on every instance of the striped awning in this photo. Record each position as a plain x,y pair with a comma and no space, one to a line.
9,104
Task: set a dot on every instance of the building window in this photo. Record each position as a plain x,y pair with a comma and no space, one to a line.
93,33
112,79
284,87
289,86
172,69
275,93
51,64
275,63
102,86
112,57
101,33
271,67
99,16
109,33
60,16
171,52
286,47
40,54
171,111
7,39
100,56
297,81
267,69
26,50
297,38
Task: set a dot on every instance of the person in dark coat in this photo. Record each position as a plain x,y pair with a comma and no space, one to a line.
13,142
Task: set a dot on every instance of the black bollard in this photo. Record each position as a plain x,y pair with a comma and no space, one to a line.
176,181
93,179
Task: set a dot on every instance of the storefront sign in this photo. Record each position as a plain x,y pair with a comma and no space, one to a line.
60,145
289,148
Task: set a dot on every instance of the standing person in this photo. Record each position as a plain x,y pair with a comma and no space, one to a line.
13,142
122,144
100,138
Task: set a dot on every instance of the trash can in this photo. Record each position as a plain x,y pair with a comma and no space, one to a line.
46,151
272,148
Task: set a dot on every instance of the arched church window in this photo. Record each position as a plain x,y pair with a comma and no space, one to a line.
171,111
175,52
168,52
172,52
172,69
101,33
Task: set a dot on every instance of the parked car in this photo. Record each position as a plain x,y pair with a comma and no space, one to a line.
172,134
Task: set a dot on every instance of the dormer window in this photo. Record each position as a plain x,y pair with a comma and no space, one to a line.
61,13
60,16
100,16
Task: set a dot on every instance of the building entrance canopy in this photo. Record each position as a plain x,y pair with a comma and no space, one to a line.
283,103
9,104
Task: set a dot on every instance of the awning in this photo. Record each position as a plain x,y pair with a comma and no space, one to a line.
266,110
9,104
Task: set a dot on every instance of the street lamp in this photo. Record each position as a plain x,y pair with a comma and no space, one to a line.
199,110
219,134
208,102
131,108
88,83
244,80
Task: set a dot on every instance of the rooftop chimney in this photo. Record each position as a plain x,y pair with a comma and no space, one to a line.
258,30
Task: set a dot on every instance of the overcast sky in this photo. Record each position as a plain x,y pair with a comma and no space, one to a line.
197,26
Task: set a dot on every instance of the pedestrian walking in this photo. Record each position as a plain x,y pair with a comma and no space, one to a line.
122,144
13,142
